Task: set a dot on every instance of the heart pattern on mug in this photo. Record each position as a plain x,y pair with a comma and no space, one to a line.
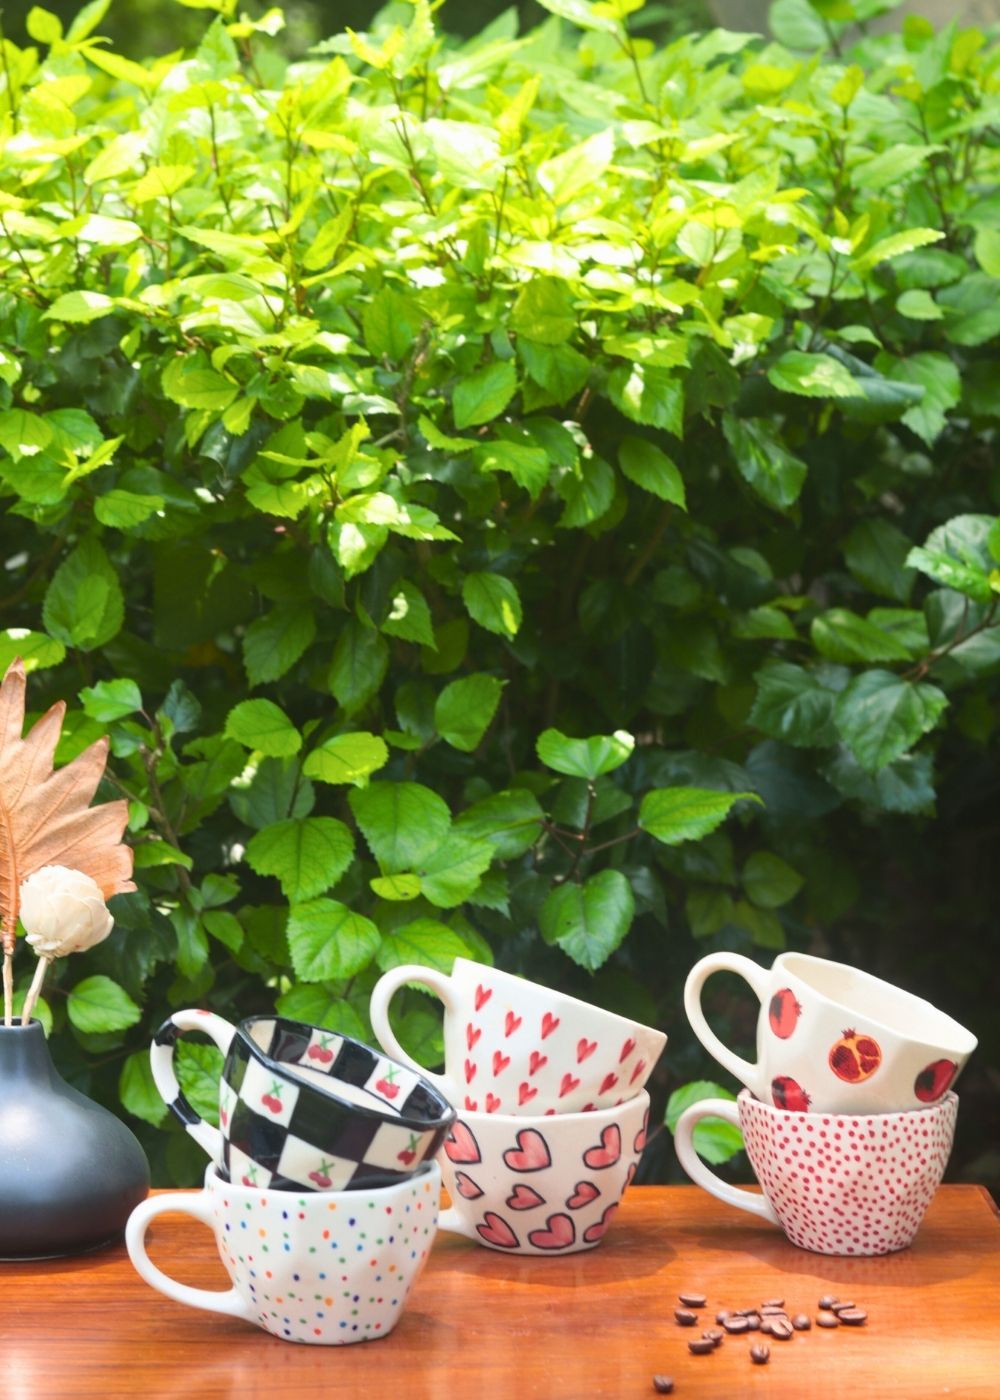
559,1233
511,1024
607,1152
526,1092
599,1229
583,1193
466,1187
460,1145
531,1153
495,1230
524,1198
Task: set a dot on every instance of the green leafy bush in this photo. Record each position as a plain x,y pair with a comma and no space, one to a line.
530,498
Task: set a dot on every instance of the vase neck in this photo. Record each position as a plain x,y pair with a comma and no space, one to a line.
24,1050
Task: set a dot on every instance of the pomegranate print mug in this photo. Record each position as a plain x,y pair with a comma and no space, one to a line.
836,1184
515,1047
833,1039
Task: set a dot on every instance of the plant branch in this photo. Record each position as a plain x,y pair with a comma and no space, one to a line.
35,990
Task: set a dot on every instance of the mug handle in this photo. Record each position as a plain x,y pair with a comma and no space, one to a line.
758,978
451,1220
161,1060
700,1173
382,994
229,1301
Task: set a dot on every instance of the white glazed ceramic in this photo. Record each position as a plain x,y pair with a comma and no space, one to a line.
515,1047
542,1185
833,1039
326,1267
836,1184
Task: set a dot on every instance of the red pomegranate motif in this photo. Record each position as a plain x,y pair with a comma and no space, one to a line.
783,1013
933,1081
855,1057
787,1094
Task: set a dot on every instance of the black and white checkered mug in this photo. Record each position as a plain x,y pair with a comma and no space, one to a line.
304,1108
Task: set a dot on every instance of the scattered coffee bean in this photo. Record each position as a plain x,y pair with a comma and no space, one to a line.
826,1302
774,1303
753,1321
781,1329
839,1307
769,1310
759,1354
685,1317
692,1300
853,1317
801,1323
744,1312
765,1325
827,1319
736,1324
721,1315
701,1346
714,1335
663,1385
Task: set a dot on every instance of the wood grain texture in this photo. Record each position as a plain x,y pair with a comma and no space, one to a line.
480,1323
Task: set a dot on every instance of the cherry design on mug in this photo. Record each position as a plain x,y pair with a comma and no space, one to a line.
787,1094
783,1013
933,1081
387,1085
855,1057
321,1177
272,1099
408,1155
321,1051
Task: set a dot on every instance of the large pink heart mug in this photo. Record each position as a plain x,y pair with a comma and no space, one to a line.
515,1047
833,1039
836,1184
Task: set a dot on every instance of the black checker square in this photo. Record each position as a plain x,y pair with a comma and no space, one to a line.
333,1126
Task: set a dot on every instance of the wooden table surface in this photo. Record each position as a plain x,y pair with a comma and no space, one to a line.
480,1323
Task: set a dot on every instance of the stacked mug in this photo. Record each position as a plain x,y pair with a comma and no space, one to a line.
552,1106
318,1135
848,1113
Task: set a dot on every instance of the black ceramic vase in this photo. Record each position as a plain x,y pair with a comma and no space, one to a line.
70,1171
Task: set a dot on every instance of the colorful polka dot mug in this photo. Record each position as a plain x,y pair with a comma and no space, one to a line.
833,1039
836,1183
328,1268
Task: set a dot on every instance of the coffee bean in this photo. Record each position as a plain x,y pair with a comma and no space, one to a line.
781,1329
759,1354
801,1323
766,1323
753,1321
853,1317
685,1317
839,1307
692,1300
663,1385
721,1315
826,1302
745,1312
736,1324
714,1335
827,1319
774,1303
701,1346
769,1310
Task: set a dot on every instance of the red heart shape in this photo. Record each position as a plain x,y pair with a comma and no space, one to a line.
584,1049
559,1233
460,1145
500,1063
640,1066
472,1034
525,1092
524,1198
605,1154
470,1071
537,1061
483,995
495,1230
531,1153
511,1023
597,1231
492,1103
627,1049
549,1023
640,1137
568,1085
465,1186
471,1104
608,1082
583,1193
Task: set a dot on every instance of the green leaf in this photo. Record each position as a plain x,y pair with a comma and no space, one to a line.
544,312
972,309
918,305
581,13
677,814
273,643
958,555
403,823
224,927
644,463
199,1068
409,616
423,941
713,1138
43,25
584,758
79,307
451,873
307,854
84,605
111,700
770,881
97,1005
793,705
875,552
138,1092
588,491
879,716
647,395
938,376
763,461
841,635
511,820
360,661
189,382
397,888
36,650
815,376
484,395
264,726
571,172
329,942
347,758
23,433
895,245
493,602
763,926
589,921
123,510
465,708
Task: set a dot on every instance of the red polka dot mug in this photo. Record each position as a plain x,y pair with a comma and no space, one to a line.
833,1039
836,1184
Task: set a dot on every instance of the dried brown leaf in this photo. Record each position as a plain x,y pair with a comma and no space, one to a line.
45,813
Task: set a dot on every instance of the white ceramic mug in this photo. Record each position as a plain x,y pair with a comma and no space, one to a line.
833,1039
836,1184
542,1185
325,1267
515,1047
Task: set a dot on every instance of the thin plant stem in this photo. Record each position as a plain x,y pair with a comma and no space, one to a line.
8,989
35,990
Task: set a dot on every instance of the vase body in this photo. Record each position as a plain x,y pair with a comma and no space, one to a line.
70,1172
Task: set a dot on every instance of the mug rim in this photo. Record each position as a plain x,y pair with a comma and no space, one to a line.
746,1099
521,1121
214,1181
790,959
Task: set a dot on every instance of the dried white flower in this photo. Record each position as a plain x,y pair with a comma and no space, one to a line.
63,911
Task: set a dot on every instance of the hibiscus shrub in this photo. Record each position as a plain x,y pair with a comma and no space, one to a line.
530,498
